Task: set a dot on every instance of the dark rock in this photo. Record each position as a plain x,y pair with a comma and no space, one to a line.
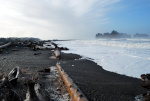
46,70
37,53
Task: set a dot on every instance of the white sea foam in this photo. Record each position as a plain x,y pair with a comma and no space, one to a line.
125,56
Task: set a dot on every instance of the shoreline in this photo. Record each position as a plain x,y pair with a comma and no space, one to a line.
99,84
93,60
95,82
123,57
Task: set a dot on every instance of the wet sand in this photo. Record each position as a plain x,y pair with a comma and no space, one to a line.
98,84
95,82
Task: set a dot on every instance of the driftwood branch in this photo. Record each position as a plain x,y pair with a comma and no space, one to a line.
5,45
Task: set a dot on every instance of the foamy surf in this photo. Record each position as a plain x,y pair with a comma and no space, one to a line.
130,57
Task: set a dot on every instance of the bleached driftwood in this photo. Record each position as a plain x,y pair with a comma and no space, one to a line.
57,53
15,73
34,93
5,45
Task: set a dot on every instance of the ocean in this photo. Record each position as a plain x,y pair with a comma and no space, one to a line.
129,57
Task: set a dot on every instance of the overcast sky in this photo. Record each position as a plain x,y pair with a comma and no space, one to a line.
72,19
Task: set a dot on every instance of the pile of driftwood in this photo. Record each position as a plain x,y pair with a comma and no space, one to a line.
52,46
145,84
42,85
35,45
15,84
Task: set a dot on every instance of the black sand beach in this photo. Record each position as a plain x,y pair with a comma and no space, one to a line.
95,82
98,84
25,58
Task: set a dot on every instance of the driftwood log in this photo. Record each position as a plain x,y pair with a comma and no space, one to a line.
34,93
57,53
57,50
75,93
5,45
15,73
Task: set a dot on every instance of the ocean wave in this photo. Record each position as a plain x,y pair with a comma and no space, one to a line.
123,43
124,56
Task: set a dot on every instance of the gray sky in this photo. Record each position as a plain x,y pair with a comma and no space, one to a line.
56,19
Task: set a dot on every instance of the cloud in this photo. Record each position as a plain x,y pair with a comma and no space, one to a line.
49,19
